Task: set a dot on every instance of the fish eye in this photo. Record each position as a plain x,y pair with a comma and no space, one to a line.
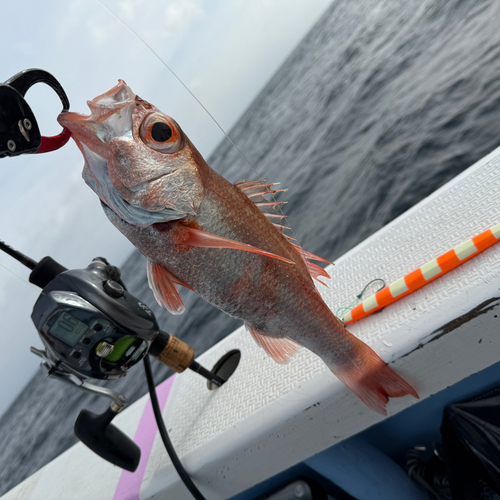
161,133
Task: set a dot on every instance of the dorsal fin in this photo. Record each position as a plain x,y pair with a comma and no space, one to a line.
256,190
274,216
308,255
314,270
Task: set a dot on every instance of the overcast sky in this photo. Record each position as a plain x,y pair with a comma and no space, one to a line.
224,51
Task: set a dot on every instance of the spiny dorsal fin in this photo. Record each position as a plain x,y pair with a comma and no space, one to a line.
274,216
281,349
308,255
314,270
256,190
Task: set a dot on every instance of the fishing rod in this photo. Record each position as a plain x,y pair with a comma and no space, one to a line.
90,326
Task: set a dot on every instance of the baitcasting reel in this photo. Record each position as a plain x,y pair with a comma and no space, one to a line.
92,327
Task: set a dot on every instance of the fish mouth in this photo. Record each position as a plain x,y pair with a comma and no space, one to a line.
101,107
110,117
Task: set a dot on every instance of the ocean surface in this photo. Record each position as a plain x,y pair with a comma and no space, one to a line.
381,103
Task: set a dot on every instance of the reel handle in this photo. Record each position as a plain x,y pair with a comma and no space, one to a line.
98,433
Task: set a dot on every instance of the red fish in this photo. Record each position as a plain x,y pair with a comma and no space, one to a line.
222,240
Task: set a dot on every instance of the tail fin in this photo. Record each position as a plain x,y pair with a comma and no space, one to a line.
372,381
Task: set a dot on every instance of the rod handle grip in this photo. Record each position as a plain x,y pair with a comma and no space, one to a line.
176,354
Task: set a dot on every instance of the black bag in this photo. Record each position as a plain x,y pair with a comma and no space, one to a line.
471,447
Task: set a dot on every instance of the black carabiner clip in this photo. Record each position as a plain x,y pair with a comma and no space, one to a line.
19,131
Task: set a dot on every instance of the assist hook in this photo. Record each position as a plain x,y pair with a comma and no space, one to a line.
19,131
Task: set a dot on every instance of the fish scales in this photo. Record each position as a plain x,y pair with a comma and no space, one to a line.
200,231
242,284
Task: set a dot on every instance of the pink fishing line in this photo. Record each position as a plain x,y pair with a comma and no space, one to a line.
130,483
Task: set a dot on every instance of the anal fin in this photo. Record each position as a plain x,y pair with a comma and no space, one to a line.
163,285
197,238
281,349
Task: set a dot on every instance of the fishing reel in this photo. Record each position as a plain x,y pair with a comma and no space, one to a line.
91,327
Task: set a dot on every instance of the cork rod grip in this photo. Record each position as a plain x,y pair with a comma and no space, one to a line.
176,354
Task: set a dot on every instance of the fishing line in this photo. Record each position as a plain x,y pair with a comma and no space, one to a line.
21,278
342,310
277,207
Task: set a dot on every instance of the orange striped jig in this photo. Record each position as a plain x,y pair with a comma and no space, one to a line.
424,274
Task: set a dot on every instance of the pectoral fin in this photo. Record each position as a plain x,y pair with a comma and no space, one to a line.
197,238
163,285
281,349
